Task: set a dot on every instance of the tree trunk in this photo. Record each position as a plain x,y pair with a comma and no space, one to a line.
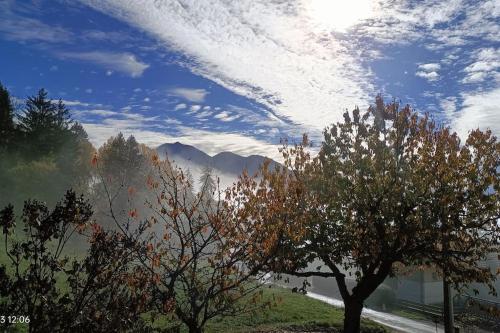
448,308
352,315
195,329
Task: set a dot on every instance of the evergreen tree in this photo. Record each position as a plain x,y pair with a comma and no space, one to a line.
45,124
51,152
189,177
207,182
7,127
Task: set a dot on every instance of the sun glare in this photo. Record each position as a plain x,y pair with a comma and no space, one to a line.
338,15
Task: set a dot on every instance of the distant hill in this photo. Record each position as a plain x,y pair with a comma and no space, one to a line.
226,165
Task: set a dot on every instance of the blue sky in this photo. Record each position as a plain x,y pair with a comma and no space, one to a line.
240,75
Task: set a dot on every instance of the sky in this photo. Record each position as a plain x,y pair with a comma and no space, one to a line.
226,75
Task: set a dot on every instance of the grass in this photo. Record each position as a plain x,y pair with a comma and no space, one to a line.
409,314
295,311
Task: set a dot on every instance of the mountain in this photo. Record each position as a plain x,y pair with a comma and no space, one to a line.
226,165
179,151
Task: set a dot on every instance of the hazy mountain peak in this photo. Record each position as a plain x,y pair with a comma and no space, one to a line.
226,165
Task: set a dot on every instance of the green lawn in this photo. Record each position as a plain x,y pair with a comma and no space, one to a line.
295,311
410,314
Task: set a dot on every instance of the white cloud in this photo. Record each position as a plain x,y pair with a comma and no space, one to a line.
430,76
54,68
88,91
282,55
16,27
192,95
204,114
106,36
180,106
123,62
226,116
432,67
101,112
109,73
172,121
479,110
449,106
485,64
428,71
147,99
268,51
75,103
195,108
140,118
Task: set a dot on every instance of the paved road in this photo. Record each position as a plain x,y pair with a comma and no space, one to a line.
399,324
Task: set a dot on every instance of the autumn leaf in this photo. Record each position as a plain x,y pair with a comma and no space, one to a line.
133,213
94,159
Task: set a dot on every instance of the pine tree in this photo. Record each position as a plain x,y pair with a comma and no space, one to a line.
45,125
207,182
7,126
189,177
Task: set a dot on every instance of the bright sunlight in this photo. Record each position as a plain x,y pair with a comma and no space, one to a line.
338,15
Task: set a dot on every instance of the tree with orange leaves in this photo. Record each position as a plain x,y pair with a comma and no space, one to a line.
194,247
387,188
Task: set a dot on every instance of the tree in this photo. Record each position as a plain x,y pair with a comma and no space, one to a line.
194,248
7,127
122,170
73,159
99,292
7,138
387,189
48,154
45,124
189,177
207,182
121,160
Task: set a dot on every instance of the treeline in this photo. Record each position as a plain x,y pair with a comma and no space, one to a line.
44,152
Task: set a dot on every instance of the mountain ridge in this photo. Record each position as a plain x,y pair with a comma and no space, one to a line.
226,165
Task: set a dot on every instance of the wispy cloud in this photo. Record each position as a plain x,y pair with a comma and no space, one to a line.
287,57
271,52
101,112
123,62
17,27
192,95
226,116
478,110
449,106
106,36
485,65
180,106
76,103
194,108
